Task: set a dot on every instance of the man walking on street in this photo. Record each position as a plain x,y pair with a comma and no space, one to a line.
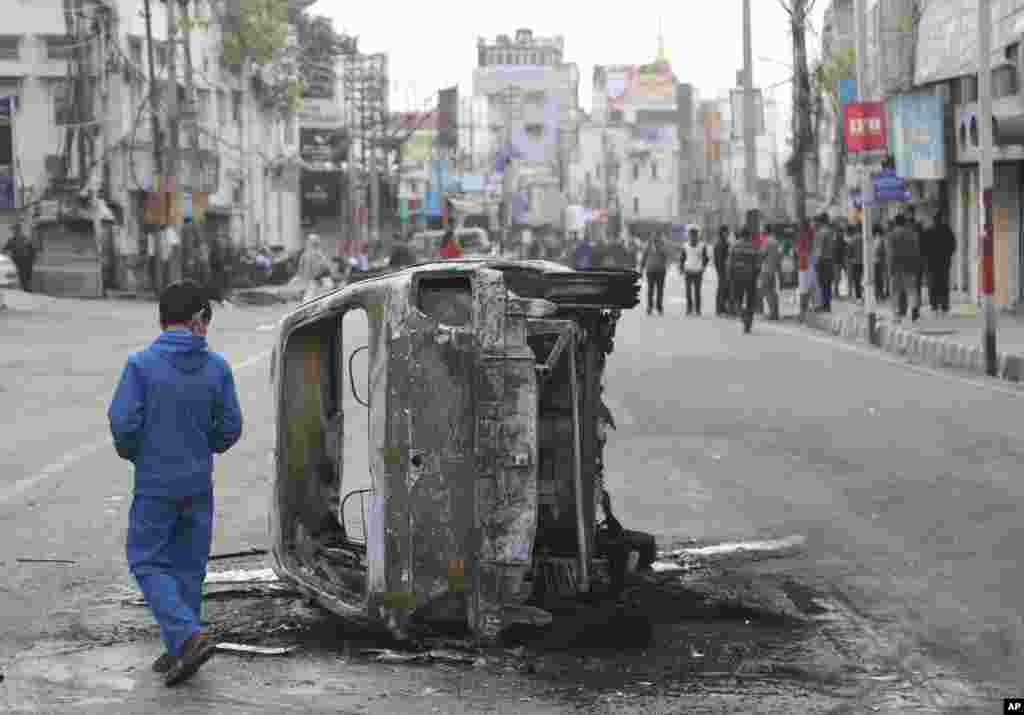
693,260
174,408
824,247
904,264
939,247
855,260
722,302
23,252
655,263
744,267
771,266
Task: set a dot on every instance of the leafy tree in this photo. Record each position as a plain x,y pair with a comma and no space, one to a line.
254,31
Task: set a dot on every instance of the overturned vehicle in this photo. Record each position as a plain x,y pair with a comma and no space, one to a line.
475,507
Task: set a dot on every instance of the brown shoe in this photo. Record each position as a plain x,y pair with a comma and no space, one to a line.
164,663
197,651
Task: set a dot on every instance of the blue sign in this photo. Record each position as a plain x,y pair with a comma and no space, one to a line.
847,91
917,138
8,105
887,185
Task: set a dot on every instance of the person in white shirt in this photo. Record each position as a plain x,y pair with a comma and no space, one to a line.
693,260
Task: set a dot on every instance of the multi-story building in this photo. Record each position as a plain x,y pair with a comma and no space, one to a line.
84,122
532,105
636,153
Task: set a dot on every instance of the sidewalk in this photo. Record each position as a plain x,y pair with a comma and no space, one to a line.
953,341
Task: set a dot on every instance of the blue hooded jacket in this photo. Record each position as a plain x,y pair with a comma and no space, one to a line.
175,406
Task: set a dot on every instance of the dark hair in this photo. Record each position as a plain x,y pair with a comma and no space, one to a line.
878,229
900,220
182,302
723,230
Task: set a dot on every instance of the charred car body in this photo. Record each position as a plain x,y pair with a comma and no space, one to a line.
486,430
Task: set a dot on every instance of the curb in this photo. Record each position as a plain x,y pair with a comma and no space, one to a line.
932,351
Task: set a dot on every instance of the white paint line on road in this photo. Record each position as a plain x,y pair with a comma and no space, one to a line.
875,354
75,456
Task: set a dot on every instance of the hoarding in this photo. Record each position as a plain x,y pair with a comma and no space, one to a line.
917,136
712,136
648,86
448,119
321,194
323,146
865,127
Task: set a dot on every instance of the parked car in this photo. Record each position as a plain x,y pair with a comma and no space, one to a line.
8,273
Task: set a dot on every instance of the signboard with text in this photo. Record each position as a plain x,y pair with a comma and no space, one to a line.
865,127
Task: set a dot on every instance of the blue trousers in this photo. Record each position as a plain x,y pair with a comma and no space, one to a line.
168,549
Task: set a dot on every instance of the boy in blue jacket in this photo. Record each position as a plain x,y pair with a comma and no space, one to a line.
175,406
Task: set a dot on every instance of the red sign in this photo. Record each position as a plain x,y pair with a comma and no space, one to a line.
865,128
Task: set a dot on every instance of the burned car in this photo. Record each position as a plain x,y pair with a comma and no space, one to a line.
478,500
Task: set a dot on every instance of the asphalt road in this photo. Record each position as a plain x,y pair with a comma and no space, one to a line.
902,481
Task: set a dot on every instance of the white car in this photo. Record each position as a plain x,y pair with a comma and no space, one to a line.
8,273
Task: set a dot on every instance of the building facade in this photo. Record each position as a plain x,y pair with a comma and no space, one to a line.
84,123
532,105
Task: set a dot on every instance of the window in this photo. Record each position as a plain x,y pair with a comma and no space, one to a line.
59,47
970,89
636,172
1004,82
10,47
636,204
160,54
654,170
63,102
236,106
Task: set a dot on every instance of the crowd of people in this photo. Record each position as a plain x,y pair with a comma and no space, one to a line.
816,259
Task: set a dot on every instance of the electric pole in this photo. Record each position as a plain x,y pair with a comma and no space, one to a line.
859,22
749,125
158,168
987,181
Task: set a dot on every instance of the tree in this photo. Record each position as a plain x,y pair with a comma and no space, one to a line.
799,12
829,73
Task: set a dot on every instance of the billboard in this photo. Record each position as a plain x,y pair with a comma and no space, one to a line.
865,127
648,86
712,136
8,192
321,194
917,136
323,146
448,119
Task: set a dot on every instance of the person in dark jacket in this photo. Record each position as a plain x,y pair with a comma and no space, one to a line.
401,254
744,271
839,262
824,252
655,264
174,408
939,247
723,304
904,264
855,260
23,252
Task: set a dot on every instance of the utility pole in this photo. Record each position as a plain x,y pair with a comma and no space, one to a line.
749,121
987,181
174,127
860,22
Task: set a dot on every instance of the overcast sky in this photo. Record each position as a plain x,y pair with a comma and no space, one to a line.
432,45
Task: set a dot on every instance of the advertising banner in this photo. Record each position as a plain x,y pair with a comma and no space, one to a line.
321,194
865,127
419,146
917,136
448,118
8,190
648,85
323,146
888,186
847,92
712,137
8,194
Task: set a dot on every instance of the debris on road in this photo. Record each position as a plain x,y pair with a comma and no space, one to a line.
243,576
392,657
45,561
255,650
239,554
